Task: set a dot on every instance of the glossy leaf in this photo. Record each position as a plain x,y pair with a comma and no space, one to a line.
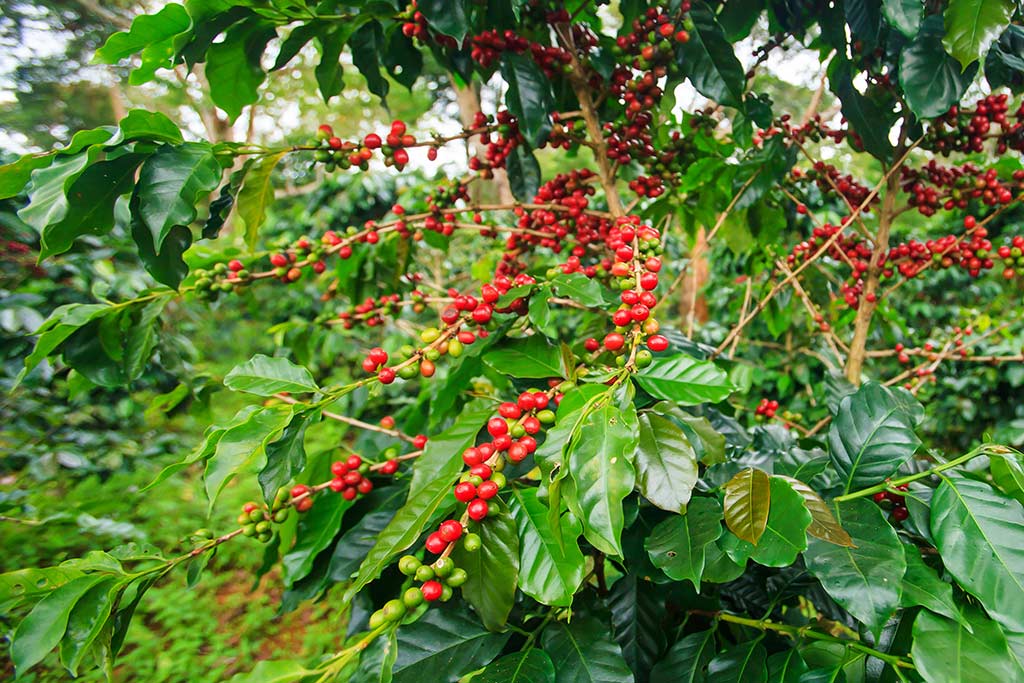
243,446
739,664
869,119
529,666
444,643
15,175
865,579
579,288
638,616
932,81
152,35
48,202
786,667
677,545
404,528
86,621
747,502
823,522
870,437
524,176
549,571
944,651
528,97
170,185
42,629
973,25
140,124
603,476
265,376
378,660
980,534
286,457
450,17
493,569
666,464
904,15
233,65
922,586
684,380
710,61
687,660
532,357
583,652
442,456
1004,65
785,534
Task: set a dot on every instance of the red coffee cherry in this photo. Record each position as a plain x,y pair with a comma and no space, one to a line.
465,492
497,426
487,490
614,341
450,530
657,342
435,543
477,509
431,590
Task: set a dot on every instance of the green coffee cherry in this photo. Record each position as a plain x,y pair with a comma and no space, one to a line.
443,566
424,573
457,577
412,598
377,619
471,542
409,564
394,610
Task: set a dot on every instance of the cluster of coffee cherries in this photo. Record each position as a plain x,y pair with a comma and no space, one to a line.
372,311
500,145
647,186
829,180
437,581
650,39
334,152
439,204
415,26
349,477
487,48
766,408
256,520
637,250
934,186
895,501
964,130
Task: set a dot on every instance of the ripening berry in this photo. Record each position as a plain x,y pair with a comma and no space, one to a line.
386,375
419,441
649,280
278,260
482,470
372,141
487,490
401,157
510,410
591,344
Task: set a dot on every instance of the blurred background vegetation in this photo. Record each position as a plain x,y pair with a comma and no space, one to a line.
74,456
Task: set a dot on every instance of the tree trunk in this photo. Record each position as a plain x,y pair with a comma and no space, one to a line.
693,307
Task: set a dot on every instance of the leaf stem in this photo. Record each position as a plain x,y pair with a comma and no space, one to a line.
891,484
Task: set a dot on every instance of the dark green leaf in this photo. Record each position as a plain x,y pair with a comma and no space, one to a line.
603,476
493,569
265,376
48,202
786,667
528,97
785,534
687,660
869,119
904,15
168,267
442,456
243,446
677,545
740,664
355,543
921,586
973,25
579,288
401,58
1004,65
932,81
532,357
404,528
378,659
638,615
747,503
523,173
583,652
980,534
329,73
444,644
549,571
944,651
140,124
286,457
666,464
450,17
865,579
684,380
233,65
870,437
528,666
710,62
367,45
91,197
296,40
170,185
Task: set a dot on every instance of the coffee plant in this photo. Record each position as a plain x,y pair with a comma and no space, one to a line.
545,472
